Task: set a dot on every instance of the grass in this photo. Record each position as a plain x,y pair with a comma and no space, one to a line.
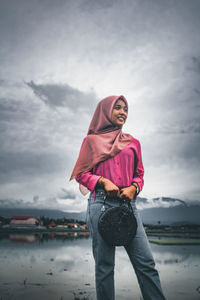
176,242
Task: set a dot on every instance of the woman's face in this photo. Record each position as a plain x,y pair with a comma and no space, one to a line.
119,113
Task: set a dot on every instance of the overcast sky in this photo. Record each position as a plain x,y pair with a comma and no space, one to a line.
59,58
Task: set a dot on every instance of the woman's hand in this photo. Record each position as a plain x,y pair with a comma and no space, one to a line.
128,193
111,189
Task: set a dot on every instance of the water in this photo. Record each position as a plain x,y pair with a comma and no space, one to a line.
61,267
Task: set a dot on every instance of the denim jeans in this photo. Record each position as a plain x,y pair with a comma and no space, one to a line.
138,251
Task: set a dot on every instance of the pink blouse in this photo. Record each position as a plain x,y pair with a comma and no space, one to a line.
122,169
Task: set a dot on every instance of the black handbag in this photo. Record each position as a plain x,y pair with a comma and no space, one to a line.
117,225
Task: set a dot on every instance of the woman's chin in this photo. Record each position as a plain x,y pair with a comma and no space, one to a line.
121,123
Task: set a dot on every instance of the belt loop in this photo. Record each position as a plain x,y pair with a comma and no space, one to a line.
104,202
104,199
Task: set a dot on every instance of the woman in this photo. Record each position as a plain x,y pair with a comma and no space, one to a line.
110,164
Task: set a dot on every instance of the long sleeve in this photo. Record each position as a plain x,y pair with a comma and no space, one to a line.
122,169
89,180
139,170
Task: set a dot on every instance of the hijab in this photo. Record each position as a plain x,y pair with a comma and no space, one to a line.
104,139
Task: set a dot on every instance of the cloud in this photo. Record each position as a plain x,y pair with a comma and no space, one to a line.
169,201
198,93
63,95
67,200
87,5
28,164
39,146
66,194
194,64
35,199
63,199
165,202
68,55
13,203
141,200
36,139
191,127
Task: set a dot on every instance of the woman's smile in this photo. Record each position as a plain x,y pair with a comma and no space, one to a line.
121,118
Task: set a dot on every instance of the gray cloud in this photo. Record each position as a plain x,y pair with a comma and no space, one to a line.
197,92
15,203
35,199
165,202
87,5
14,111
25,142
192,127
20,165
34,138
63,95
66,194
37,146
169,200
52,202
58,59
195,65
142,200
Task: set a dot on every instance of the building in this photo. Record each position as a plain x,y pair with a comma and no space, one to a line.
61,226
52,224
84,226
25,221
73,225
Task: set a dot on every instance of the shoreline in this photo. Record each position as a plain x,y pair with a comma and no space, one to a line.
175,242
40,230
173,234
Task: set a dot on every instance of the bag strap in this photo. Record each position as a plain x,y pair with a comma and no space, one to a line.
129,205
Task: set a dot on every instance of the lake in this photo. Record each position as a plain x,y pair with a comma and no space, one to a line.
61,267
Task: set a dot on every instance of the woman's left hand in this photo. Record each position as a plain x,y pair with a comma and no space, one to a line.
128,193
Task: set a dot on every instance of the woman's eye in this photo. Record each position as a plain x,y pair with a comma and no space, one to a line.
118,107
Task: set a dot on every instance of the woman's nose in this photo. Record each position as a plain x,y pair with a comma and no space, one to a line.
122,111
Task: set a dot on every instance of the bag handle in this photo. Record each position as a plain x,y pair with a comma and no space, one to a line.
120,204
129,205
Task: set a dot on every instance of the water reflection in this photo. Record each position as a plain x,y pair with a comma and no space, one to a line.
169,258
60,264
40,237
163,254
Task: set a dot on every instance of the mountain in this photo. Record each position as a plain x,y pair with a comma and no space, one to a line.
161,210
49,213
165,210
171,215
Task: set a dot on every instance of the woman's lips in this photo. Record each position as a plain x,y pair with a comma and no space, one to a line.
121,118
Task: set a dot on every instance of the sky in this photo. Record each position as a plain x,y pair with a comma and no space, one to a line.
59,58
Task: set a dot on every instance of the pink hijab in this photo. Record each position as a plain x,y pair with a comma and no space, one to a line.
104,139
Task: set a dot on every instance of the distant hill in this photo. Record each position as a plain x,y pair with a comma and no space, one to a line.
50,213
153,211
167,210
171,215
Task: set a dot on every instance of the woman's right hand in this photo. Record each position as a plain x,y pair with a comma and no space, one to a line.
111,189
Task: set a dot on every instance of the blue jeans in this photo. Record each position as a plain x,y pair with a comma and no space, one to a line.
138,251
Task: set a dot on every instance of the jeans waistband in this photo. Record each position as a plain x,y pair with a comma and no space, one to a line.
101,193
